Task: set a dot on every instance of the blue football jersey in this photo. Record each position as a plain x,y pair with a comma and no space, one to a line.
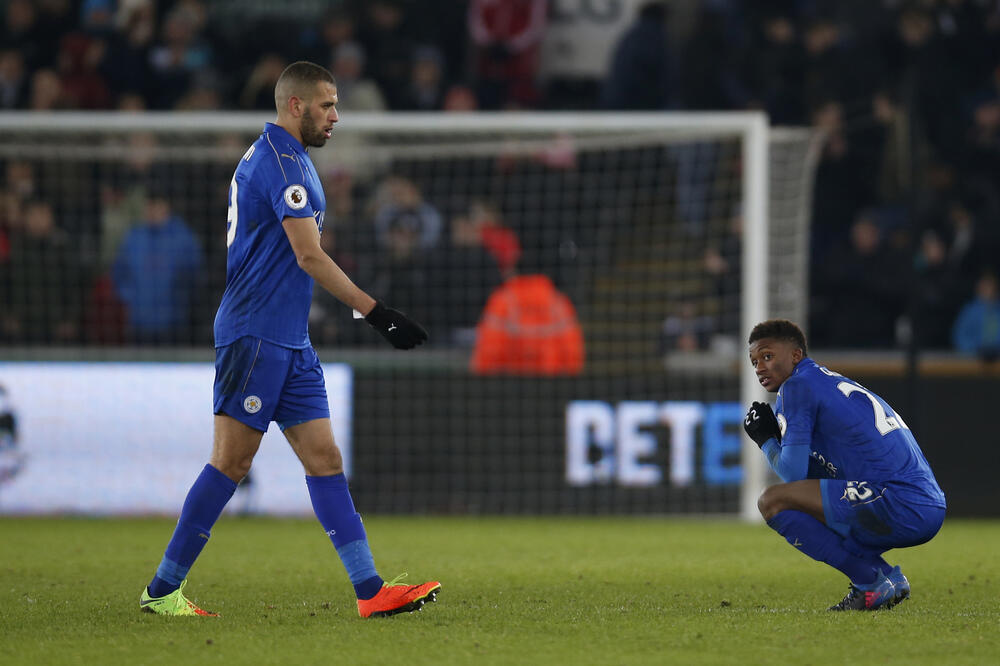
267,295
851,432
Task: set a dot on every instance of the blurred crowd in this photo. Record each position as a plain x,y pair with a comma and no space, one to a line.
906,212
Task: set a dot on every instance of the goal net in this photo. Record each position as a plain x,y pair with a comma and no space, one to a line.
587,281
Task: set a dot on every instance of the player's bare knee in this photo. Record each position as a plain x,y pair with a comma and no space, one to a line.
234,469
769,503
327,463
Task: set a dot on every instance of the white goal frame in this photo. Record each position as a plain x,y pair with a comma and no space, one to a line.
751,127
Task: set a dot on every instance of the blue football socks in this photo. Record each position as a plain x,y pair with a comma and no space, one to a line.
202,507
823,544
331,500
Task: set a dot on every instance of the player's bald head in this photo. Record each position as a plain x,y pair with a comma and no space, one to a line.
299,80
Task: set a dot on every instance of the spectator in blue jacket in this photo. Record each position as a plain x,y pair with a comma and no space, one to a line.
977,329
155,274
640,75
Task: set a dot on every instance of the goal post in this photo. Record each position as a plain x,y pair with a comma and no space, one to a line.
671,234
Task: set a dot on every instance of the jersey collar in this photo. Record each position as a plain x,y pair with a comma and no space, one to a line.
803,364
279,133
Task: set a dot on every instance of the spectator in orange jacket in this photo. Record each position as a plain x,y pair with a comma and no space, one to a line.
528,327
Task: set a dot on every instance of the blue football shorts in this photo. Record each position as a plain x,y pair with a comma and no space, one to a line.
880,515
257,382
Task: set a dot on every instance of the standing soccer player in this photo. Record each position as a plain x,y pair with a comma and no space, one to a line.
266,369
856,482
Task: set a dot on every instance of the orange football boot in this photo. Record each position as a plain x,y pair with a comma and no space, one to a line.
396,597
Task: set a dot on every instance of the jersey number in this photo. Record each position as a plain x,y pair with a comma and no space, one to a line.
234,213
883,422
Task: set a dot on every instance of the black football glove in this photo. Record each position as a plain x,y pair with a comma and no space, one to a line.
761,424
394,326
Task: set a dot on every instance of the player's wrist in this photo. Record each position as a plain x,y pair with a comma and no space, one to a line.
769,445
376,313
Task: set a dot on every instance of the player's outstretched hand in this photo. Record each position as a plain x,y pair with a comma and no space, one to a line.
396,327
761,424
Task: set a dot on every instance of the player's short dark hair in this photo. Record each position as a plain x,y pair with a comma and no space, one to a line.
300,78
780,329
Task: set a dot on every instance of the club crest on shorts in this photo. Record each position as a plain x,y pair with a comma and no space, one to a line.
252,404
295,197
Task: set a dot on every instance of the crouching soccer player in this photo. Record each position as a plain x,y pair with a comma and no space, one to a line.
266,368
856,482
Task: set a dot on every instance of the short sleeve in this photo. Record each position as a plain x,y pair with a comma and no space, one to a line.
281,179
291,200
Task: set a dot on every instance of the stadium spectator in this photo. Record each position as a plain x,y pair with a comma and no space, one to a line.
723,264
401,204
460,99
939,292
981,154
355,92
349,238
42,283
337,27
865,282
349,235
841,190
974,243
96,16
977,329
401,268
498,238
123,192
47,93
21,179
462,274
10,217
528,327
506,36
641,73
126,63
707,80
388,46
426,88
686,329
179,54
156,272
771,66
202,95
258,92
829,64
13,80
79,58
24,32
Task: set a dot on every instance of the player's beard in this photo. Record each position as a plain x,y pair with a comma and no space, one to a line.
312,135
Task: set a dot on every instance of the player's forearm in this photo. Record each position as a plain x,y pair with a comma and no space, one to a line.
791,463
331,277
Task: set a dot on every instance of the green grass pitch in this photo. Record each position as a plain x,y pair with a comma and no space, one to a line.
515,591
